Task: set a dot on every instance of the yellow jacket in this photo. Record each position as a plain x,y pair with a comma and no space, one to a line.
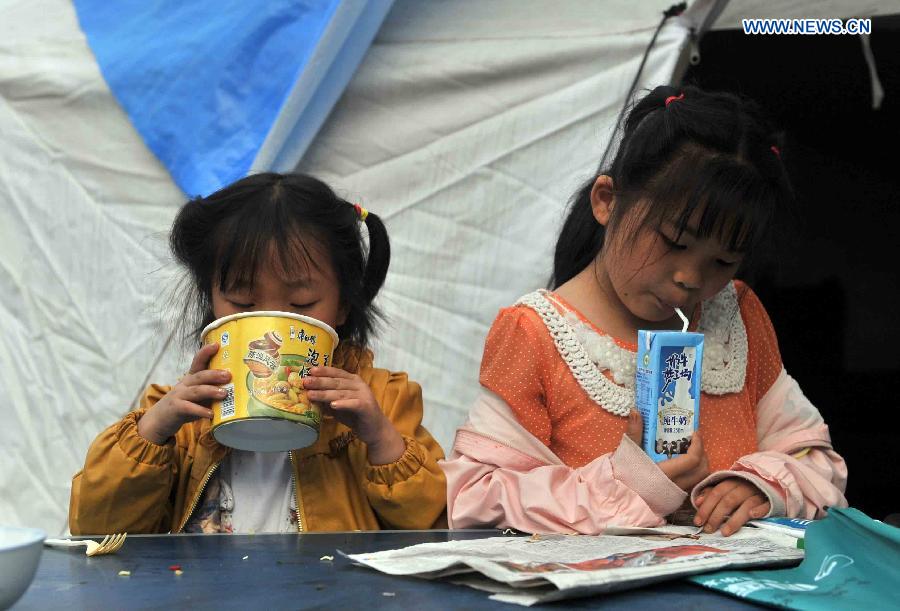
129,484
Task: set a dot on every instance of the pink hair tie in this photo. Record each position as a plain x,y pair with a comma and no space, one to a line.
775,150
673,98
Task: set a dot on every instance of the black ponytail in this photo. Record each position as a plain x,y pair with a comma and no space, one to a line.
379,257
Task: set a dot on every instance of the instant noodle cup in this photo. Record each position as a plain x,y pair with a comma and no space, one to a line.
268,354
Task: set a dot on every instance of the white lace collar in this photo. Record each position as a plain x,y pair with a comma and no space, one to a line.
589,353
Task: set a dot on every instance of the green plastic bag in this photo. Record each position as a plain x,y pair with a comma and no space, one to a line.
851,562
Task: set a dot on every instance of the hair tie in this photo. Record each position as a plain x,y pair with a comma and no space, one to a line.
775,150
361,212
673,98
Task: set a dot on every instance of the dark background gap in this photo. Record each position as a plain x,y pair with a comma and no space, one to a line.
832,287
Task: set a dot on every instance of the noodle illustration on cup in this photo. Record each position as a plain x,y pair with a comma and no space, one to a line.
268,354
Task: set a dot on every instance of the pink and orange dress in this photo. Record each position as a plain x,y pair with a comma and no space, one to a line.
544,448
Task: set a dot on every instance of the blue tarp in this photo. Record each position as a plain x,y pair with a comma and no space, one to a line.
202,81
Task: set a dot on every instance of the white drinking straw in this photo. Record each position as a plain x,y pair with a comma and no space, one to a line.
683,319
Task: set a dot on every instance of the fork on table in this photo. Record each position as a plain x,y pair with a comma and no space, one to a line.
109,545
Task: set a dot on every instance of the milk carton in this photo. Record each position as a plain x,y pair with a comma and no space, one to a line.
668,390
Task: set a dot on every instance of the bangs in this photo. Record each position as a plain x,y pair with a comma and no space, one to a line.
262,236
735,203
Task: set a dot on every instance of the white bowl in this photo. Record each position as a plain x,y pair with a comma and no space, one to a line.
20,552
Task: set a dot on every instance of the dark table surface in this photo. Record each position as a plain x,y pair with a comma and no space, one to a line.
285,571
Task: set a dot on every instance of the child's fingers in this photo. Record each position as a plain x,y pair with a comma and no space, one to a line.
311,382
687,470
330,396
202,392
715,512
331,372
635,426
728,505
201,359
192,410
736,518
207,376
742,515
696,446
760,510
711,498
321,383
694,459
347,404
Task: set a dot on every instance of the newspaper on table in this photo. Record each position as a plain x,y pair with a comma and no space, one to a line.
543,568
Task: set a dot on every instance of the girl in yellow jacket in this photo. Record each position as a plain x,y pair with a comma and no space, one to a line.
286,243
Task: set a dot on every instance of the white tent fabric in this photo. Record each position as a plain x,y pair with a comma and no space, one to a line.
84,210
466,127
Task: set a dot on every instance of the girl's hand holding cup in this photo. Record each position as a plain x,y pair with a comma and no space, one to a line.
187,401
350,401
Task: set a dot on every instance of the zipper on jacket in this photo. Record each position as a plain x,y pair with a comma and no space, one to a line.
298,499
197,496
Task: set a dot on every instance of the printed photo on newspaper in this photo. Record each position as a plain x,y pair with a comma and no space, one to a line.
542,568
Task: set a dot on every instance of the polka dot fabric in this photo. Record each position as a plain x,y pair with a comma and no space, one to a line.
522,365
